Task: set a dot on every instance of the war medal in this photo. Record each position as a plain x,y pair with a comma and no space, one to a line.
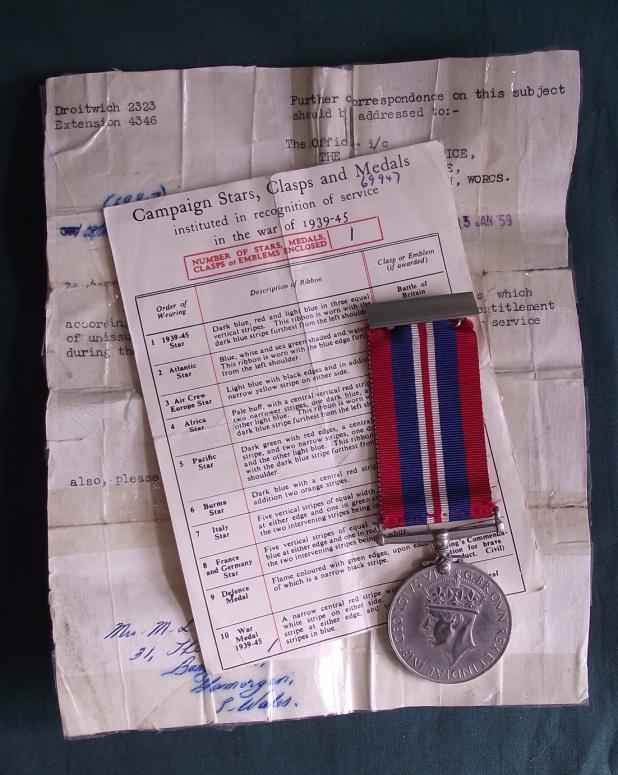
448,622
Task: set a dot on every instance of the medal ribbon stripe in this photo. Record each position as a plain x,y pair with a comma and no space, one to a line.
481,502
430,451
386,429
427,505
449,394
408,432
428,413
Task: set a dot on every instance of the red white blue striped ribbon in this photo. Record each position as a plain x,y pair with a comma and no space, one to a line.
428,415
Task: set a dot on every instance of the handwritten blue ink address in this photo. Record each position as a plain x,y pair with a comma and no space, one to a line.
239,696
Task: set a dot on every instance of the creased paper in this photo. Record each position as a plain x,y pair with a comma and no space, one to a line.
122,137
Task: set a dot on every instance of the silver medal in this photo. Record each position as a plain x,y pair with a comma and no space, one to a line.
449,627
449,622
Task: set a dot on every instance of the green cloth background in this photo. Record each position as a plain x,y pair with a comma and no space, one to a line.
40,39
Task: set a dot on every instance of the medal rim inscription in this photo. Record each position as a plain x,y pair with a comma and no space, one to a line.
396,647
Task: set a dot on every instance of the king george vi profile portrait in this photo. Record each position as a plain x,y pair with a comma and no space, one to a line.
451,610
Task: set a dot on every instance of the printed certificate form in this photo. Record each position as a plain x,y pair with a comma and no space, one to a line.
246,305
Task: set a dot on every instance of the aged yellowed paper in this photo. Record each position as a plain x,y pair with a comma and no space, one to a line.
509,126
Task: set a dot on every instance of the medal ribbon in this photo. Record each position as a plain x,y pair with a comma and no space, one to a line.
430,437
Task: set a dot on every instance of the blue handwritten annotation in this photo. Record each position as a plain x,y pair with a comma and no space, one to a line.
92,230
177,647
